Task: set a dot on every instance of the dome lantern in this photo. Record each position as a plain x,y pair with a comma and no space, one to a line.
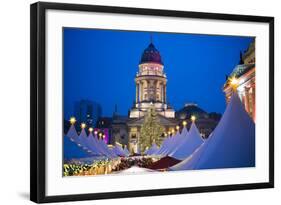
151,55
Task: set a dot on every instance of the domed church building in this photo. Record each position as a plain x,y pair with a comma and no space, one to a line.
151,91
151,83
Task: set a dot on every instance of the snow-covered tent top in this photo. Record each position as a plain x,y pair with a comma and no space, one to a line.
152,150
81,139
177,141
172,143
118,150
163,146
103,146
188,145
134,169
231,145
184,132
91,143
126,151
72,132
72,151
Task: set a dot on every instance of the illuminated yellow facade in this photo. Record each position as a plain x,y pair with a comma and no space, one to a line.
246,79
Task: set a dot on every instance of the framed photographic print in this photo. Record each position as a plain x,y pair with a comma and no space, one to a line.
129,102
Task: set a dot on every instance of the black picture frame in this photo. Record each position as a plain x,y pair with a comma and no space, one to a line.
38,100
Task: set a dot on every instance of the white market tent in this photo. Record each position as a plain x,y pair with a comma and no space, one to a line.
118,150
171,143
231,145
72,132
91,142
152,150
135,170
71,150
184,133
188,145
126,151
175,140
82,139
103,146
162,146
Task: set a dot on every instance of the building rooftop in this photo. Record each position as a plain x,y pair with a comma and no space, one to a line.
151,55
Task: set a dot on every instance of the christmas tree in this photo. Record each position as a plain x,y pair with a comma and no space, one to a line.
151,130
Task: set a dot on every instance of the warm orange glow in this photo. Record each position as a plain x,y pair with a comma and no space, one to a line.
83,125
234,83
72,120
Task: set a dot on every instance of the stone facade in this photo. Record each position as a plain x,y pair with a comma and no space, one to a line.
245,74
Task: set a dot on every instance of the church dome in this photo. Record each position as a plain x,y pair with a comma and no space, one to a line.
151,55
191,109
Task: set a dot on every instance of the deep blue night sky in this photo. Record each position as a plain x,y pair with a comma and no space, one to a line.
100,65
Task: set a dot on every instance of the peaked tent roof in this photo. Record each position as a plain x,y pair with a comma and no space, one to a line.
184,132
71,150
231,145
188,145
81,140
126,151
174,142
91,142
107,152
152,150
72,132
118,150
162,147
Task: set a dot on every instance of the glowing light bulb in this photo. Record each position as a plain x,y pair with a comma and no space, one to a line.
72,120
184,123
193,118
234,81
177,127
83,125
91,129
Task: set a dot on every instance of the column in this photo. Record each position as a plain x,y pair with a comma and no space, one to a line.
165,93
137,92
247,100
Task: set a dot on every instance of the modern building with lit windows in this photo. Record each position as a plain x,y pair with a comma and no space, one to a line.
87,111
